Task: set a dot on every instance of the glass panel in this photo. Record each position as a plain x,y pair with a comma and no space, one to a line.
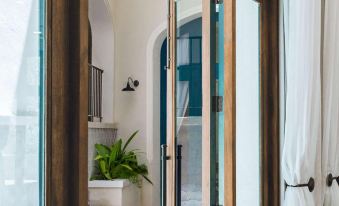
248,104
218,76
21,105
189,100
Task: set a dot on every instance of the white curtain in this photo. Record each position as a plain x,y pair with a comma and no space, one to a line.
331,100
183,94
183,50
301,158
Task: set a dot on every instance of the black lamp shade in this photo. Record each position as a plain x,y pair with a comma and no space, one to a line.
128,88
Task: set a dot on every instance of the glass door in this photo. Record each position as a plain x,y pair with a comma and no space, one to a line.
188,108
213,130
218,99
22,52
192,159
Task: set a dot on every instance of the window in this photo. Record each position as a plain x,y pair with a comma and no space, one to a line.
22,51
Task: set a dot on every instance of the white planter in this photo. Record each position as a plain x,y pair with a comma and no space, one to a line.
113,193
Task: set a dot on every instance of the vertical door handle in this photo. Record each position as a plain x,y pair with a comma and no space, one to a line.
164,159
178,175
168,34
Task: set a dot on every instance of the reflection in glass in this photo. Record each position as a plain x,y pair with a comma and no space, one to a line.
189,108
21,72
219,115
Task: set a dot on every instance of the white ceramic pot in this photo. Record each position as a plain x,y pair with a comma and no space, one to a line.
113,193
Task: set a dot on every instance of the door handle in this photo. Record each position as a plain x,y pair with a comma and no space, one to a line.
168,65
164,159
178,175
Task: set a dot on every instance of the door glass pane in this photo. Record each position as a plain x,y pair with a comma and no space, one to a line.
189,100
21,102
248,104
218,112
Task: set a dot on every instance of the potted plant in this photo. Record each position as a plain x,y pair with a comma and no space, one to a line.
118,175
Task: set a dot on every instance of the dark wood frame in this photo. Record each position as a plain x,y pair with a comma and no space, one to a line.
269,92
67,98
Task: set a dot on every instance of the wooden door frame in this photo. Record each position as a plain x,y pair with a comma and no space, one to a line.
269,98
208,55
269,103
66,145
171,103
206,110
171,106
230,102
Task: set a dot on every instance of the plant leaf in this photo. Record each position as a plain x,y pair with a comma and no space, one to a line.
115,152
99,157
102,166
115,162
102,150
104,169
126,166
148,180
129,140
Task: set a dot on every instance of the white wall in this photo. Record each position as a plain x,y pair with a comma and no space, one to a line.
134,22
103,51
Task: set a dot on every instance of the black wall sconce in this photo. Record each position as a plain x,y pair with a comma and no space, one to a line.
129,88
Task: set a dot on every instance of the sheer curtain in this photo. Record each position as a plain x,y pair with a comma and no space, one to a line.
331,101
301,158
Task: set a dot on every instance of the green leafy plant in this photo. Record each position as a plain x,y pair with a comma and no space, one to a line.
115,162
